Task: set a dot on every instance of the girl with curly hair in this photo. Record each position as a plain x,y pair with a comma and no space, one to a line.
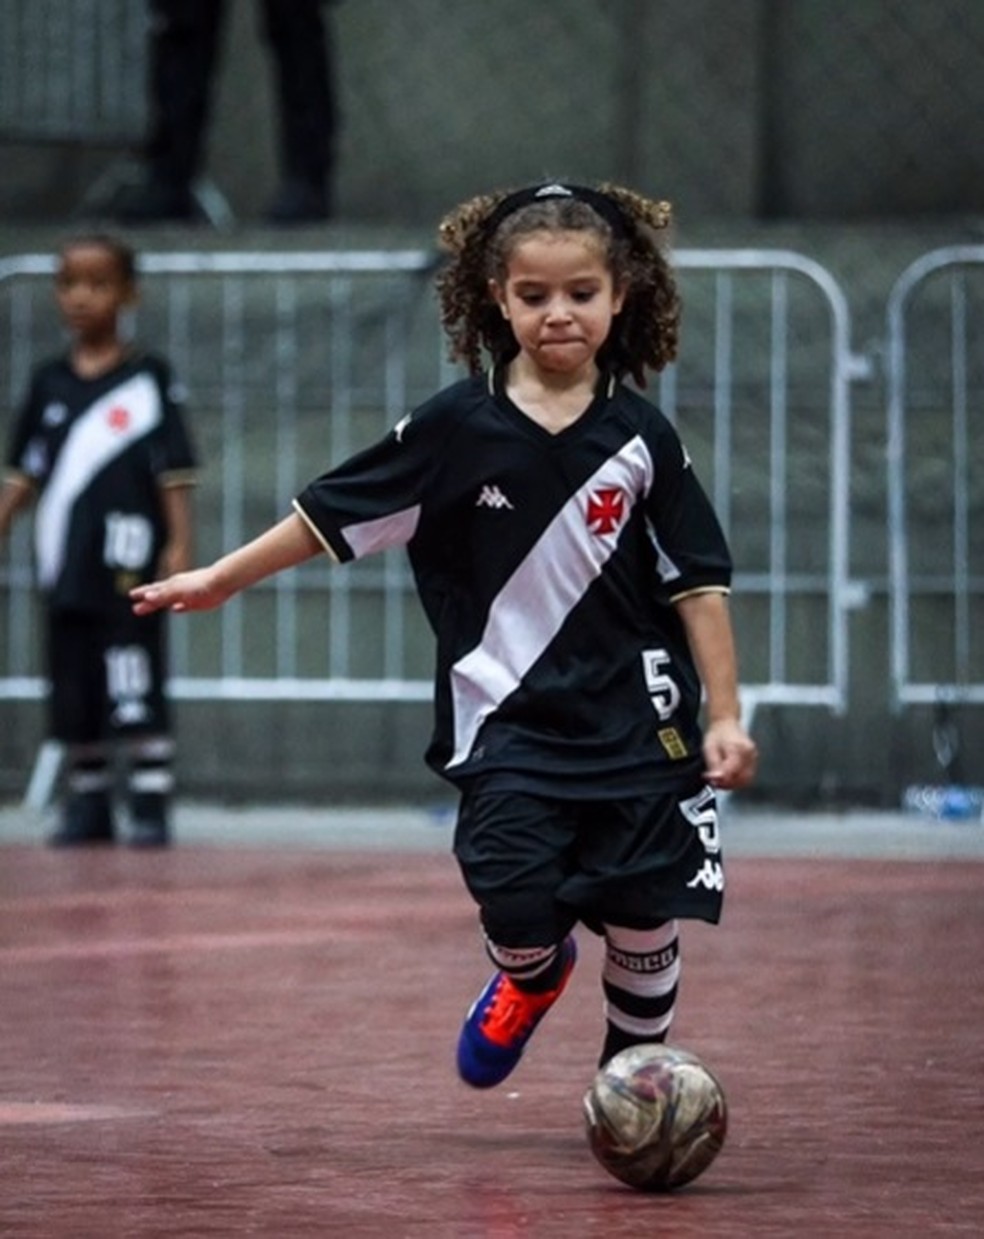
576,580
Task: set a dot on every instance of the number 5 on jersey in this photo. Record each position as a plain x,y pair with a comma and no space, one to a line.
662,688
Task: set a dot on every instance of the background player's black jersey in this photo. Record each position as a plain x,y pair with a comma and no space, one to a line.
547,565
97,451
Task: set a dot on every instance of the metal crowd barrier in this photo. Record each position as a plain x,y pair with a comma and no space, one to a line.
293,360
780,362
935,433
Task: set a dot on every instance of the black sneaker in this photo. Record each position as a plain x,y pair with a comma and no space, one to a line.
148,833
149,825
86,819
156,202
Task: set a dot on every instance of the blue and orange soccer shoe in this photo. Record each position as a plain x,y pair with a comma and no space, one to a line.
501,1022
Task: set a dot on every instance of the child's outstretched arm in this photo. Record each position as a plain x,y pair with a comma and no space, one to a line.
289,543
14,495
177,553
729,752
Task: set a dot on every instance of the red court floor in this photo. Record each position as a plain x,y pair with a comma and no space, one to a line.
222,1041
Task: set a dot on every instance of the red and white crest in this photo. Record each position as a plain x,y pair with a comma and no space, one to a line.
118,418
606,508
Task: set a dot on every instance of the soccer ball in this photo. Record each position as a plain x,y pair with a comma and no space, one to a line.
656,1117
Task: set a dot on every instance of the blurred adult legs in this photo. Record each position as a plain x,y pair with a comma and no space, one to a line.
185,45
302,55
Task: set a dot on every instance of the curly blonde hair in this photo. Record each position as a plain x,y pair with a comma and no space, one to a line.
644,335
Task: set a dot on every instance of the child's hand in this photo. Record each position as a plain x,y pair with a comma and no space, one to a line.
187,591
731,755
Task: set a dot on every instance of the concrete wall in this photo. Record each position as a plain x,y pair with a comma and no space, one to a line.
778,108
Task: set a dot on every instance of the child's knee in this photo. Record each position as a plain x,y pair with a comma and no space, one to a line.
525,921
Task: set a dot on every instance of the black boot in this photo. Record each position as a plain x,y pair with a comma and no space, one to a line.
86,818
156,202
149,820
299,202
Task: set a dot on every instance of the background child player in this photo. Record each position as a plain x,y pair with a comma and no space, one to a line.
576,578
100,441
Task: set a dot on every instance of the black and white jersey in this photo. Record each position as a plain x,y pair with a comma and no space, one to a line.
98,452
547,565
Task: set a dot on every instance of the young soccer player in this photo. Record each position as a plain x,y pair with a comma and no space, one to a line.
575,577
101,444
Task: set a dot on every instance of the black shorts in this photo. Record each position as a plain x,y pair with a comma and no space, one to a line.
106,676
537,865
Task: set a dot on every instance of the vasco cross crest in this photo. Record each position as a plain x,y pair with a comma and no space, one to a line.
606,507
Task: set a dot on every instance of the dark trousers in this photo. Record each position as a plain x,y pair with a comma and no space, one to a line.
185,40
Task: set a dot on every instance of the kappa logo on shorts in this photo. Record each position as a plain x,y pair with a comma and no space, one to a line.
492,497
710,875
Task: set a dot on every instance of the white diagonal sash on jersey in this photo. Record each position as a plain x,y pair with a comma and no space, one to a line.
91,444
536,600
395,529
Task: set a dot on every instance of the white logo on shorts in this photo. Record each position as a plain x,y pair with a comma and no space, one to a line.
709,875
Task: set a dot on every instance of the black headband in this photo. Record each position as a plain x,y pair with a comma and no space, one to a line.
600,203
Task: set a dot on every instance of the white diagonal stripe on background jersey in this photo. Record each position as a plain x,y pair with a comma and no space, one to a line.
536,600
89,447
